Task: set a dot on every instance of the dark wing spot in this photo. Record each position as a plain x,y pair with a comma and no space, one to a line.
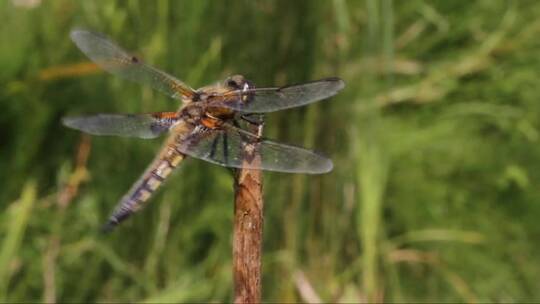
134,59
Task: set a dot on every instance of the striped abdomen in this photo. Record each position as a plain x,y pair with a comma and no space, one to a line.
142,190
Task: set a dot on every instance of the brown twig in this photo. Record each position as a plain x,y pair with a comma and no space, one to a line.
79,175
248,227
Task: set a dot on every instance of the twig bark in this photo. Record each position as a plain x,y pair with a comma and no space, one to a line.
248,228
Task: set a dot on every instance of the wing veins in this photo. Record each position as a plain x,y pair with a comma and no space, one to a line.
116,60
274,156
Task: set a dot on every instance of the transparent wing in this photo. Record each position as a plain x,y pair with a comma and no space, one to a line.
225,146
129,125
262,100
115,60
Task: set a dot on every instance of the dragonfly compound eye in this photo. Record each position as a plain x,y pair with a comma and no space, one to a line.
236,82
232,84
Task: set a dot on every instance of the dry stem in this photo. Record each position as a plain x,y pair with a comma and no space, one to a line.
248,228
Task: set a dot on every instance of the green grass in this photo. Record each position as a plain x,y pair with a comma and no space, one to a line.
434,195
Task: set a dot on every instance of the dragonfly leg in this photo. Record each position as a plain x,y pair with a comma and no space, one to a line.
253,119
213,148
225,148
237,124
256,121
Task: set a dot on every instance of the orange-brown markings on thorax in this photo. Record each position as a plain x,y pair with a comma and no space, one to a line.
210,122
165,115
215,96
220,112
204,113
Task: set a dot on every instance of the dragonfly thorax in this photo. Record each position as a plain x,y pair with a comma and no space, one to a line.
192,113
196,113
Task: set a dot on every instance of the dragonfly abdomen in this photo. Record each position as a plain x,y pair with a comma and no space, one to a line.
149,182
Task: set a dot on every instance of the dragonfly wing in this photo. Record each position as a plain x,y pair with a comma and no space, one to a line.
128,125
224,146
115,60
262,100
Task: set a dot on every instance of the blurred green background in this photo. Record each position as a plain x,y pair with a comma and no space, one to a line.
434,195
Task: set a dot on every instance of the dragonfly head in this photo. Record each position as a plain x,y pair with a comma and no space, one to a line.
238,82
241,84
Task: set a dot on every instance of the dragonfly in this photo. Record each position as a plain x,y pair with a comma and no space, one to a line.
207,125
